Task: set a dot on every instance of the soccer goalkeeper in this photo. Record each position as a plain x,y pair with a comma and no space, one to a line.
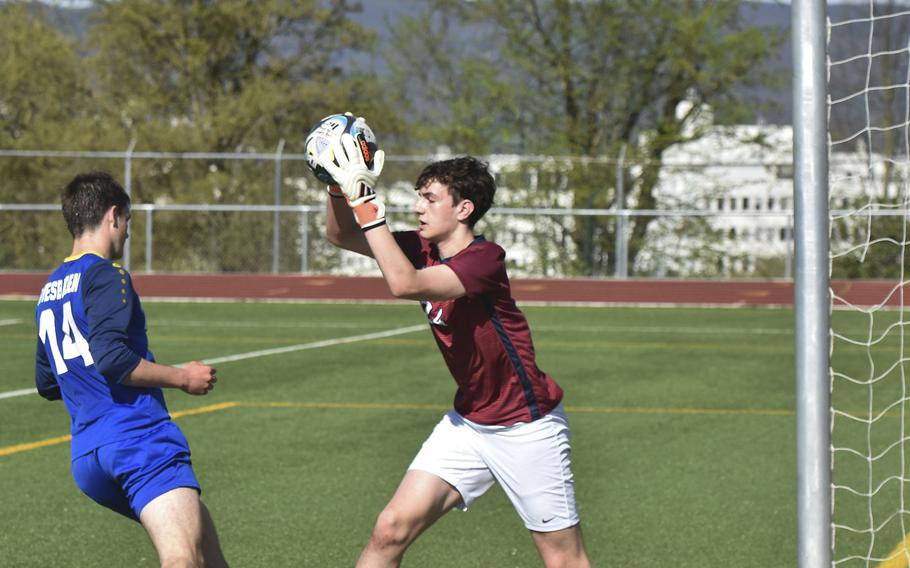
508,424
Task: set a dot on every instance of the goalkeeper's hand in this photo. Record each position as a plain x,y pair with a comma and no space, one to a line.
356,180
351,172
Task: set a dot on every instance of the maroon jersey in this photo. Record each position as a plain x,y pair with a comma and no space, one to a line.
484,338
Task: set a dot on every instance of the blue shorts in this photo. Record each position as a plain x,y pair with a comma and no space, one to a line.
125,476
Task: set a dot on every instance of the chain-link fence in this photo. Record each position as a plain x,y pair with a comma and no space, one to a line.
289,238
556,217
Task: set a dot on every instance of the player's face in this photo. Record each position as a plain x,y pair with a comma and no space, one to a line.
120,233
436,212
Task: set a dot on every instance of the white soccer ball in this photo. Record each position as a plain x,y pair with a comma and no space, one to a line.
323,135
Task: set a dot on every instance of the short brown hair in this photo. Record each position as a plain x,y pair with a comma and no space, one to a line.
467,178
87,197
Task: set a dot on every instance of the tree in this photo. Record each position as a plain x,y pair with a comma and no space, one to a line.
44,103
227,76
583,79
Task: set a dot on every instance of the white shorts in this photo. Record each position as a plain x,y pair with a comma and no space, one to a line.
530,460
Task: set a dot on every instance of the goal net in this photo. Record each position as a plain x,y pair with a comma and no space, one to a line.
868,158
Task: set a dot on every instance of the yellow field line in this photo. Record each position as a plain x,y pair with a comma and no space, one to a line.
345,405
579,409
204,409
898,556
697,411
9,450
18,448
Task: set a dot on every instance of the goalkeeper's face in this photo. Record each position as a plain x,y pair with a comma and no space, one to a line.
437,213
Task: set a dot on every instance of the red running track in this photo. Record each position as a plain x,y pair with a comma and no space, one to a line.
597,291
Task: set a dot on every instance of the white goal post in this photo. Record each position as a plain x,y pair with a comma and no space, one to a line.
811,301
851,124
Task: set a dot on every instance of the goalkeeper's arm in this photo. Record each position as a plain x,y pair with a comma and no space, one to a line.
434,283
356,181
341,229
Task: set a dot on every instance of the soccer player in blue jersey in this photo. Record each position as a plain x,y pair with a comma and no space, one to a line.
92,352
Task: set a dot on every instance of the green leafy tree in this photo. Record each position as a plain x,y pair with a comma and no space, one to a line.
228,76
581,79
45,103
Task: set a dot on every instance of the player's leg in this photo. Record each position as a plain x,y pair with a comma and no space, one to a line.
420,500
562,549
156,475
446,473
174,522
532,463
211,546
182,530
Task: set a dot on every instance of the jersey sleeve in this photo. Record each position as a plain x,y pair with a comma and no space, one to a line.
481,269
45,382
108,301
411,246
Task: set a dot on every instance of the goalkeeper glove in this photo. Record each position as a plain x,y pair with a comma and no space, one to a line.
351,172
335,191
370,214
356,180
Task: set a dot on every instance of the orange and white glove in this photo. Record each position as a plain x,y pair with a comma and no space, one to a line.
356,180
335,191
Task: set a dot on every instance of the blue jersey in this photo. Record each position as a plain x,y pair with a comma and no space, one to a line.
91,336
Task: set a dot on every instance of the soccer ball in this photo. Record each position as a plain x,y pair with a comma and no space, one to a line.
329,129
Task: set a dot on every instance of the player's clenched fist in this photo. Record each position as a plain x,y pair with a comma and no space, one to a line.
199,378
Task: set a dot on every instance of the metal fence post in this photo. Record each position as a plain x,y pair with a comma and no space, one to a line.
619,269
276,215
305,242
148,240
128,187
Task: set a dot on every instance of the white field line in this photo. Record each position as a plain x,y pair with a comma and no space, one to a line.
10,322
277,350
316,344
260,324
20,392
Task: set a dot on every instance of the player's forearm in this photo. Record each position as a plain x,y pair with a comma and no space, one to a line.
153,375
341,229
399,273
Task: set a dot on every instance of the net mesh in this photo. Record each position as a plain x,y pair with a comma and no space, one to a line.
868,117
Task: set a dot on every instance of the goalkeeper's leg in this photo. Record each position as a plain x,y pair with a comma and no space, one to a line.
564,548
420,500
